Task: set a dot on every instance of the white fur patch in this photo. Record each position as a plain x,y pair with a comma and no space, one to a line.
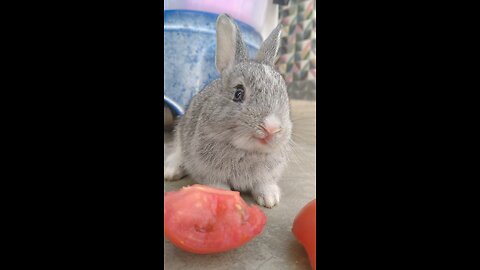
172,169
272,122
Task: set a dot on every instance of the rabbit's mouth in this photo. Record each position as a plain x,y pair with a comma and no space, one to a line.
266,144
265,135
267,140
254,144
263,139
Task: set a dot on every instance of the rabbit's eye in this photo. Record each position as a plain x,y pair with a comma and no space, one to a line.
239,94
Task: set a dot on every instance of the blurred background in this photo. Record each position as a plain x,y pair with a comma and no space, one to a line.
297,62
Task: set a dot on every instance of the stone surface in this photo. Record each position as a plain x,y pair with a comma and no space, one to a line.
276,248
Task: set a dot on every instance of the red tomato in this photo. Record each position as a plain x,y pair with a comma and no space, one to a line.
305,230
203,220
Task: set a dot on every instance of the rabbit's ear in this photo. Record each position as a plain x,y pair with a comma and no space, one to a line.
230,46
267,54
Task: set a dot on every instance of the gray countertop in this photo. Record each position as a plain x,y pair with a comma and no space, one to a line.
276,248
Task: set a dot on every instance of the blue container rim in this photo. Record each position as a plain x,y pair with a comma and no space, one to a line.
177,110
215,15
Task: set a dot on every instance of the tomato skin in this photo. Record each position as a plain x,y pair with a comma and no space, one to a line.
305,230
204,220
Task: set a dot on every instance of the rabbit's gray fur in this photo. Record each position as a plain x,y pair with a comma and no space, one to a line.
213,141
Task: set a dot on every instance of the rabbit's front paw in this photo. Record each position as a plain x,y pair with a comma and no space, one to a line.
172,173
173,170
267,195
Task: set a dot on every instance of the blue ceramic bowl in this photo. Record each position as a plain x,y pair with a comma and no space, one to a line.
189,54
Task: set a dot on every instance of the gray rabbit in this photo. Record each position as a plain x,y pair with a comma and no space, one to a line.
236,132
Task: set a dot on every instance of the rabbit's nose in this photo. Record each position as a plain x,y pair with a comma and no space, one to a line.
270,126
270,130
267,134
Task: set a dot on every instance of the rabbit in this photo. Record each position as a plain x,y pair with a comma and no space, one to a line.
235,133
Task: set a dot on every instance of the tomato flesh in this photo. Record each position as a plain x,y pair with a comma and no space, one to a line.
202,220
305,230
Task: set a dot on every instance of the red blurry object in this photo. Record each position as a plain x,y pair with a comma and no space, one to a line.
305,230
203,220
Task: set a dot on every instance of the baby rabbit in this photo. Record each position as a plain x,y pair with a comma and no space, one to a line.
236,131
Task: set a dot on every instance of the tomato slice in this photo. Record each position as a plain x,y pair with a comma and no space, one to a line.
305,230
203,220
